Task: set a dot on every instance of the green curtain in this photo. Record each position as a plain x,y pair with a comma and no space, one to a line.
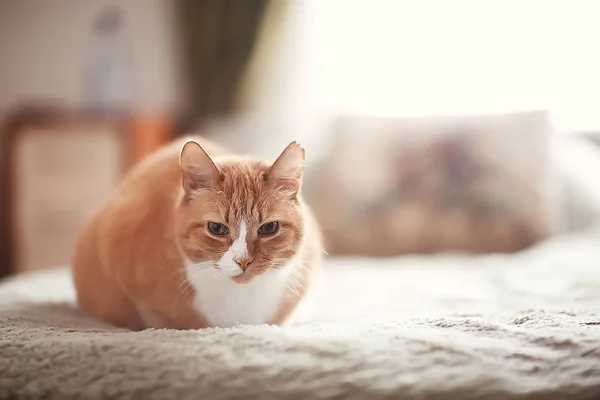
219,37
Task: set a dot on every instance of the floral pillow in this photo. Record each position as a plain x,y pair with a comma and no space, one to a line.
416,185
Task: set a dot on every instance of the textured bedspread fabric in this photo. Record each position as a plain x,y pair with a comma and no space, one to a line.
441,327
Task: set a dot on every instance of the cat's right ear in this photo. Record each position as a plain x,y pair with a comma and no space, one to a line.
198,171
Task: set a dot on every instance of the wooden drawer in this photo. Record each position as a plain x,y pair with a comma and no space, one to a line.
59,168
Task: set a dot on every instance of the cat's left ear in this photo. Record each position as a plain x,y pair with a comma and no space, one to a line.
286,171
198,171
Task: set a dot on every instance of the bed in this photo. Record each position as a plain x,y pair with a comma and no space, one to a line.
447,326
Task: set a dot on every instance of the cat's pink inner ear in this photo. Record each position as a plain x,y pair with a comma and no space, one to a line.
198,170
286,171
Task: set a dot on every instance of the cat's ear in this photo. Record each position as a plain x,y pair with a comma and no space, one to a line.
198,171
286,171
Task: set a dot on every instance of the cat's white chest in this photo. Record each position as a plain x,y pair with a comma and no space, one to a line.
225,303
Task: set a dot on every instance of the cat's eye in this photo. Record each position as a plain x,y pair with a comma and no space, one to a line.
270,228
217,229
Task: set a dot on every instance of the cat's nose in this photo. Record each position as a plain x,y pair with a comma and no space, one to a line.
244,262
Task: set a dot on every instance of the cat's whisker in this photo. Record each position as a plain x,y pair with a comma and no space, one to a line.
299,276
205,274
184,289
301,268
213,275
228,269
291,203
298,264
201,265
198,273
296,283
292,289
188,288
201,275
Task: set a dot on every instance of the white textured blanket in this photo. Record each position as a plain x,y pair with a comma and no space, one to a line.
523,326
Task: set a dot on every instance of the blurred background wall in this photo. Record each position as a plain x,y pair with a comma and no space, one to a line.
429,126
46,45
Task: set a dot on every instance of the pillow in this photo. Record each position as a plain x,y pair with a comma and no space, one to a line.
391,186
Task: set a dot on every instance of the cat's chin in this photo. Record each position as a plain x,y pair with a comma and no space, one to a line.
242,278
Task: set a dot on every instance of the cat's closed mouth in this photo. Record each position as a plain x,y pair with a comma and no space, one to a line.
244,277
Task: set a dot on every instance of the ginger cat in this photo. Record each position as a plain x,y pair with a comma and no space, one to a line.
190,241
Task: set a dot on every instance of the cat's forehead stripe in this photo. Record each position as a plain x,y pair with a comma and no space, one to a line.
239,248
243,231
243,192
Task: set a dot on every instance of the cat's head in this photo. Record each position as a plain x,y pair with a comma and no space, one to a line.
240,217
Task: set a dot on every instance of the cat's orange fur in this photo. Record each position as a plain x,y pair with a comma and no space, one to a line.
129,264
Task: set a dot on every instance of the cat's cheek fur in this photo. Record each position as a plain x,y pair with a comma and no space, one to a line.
196,247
